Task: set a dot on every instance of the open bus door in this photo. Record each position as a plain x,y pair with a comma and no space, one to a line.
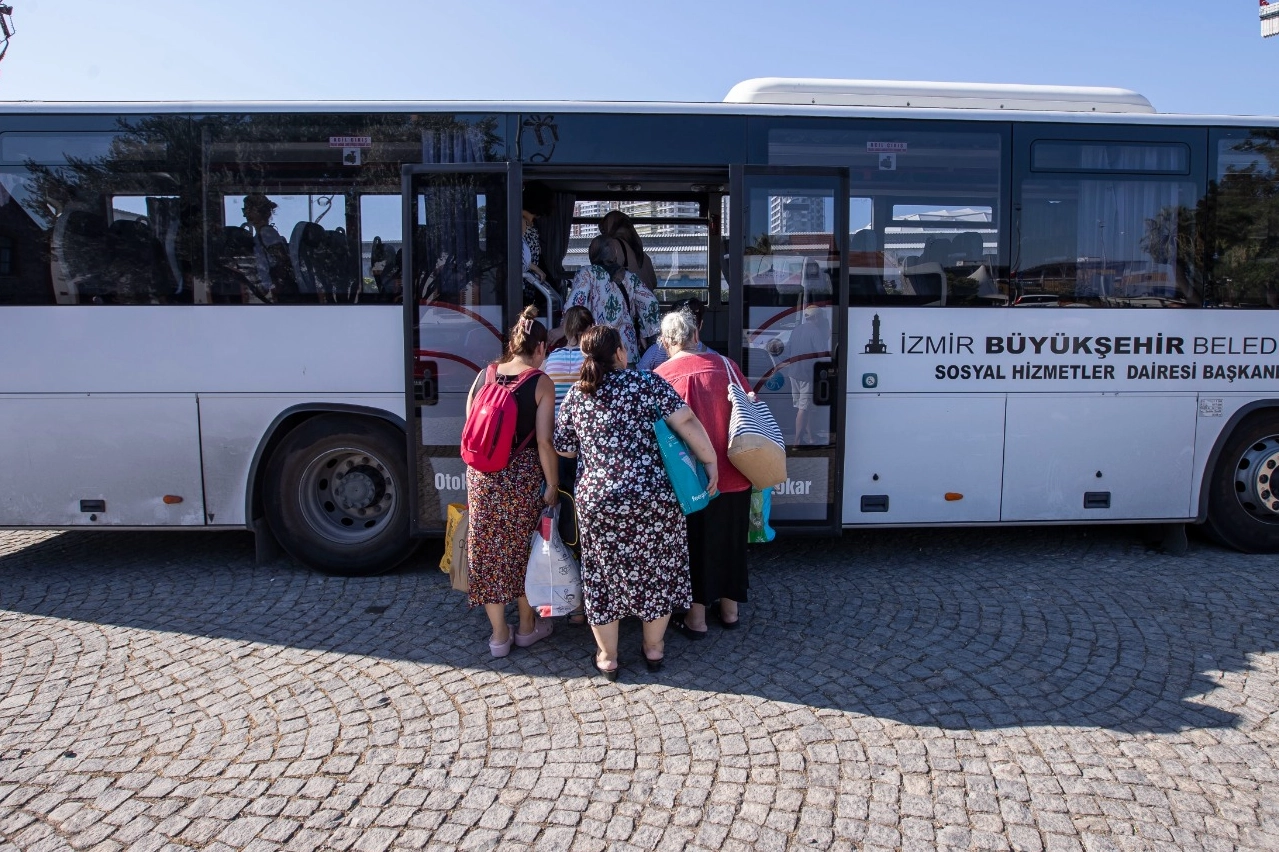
788,305
460,274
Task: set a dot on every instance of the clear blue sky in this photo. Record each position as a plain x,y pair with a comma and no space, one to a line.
1185,55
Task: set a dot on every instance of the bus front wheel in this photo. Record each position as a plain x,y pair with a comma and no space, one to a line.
336,495
1243,503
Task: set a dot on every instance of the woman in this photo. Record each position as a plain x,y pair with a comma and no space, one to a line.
535,203
717,534
633,537
615,296
564,366
505,506
617,224
270,251
656,354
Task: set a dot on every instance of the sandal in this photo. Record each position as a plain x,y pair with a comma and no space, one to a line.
687,632
654,665
542,628
501,649
727,625
578,618
609,674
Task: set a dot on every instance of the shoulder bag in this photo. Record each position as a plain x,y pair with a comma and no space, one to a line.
755,443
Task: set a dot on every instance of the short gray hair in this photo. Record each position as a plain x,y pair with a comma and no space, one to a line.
679,329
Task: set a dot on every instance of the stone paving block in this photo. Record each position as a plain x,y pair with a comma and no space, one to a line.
1015,689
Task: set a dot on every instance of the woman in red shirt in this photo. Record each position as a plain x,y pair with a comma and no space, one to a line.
716,534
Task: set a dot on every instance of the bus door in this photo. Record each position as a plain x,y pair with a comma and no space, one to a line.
459,277
788,301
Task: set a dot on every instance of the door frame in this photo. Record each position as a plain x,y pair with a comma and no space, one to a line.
409,176
738,174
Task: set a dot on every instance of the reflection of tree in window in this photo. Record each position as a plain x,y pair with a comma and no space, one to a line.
1172,239
1245,207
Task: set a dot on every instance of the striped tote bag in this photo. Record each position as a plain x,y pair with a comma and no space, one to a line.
755,443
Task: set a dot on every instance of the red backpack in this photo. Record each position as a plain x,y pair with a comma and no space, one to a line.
489,434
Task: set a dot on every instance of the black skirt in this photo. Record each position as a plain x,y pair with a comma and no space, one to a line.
717,548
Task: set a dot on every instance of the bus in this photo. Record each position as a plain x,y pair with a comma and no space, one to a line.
266,316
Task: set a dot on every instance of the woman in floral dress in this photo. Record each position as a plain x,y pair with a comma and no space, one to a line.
633,536
616,297
504,506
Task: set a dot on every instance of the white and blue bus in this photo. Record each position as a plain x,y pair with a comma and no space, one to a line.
267,316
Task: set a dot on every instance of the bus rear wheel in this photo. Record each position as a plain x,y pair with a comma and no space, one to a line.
1243,503
336,495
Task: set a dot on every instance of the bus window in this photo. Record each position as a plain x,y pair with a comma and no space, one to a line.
1246,197
923,213
293,249
1108,242
381,248
674,234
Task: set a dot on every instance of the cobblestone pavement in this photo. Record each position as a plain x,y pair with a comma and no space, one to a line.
1055,689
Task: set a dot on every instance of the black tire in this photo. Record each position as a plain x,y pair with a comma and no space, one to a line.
336,495
1243,513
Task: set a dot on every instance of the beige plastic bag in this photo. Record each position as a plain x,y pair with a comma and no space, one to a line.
454,562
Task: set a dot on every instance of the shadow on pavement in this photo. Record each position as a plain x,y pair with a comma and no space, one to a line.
959,629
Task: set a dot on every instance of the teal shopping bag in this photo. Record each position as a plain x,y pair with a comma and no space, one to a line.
686,473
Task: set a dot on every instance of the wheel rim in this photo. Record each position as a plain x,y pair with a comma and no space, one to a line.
347,495
1256,480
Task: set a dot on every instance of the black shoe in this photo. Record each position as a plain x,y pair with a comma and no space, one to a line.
727,625
609,674
687,632
653,665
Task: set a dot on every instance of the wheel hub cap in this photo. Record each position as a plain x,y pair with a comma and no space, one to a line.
345,495
1257,479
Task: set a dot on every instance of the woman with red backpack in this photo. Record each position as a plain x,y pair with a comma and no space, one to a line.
512,472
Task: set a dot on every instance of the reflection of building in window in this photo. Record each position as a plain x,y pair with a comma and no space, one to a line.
796,214
639,210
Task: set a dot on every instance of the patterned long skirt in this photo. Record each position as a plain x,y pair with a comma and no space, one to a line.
634,557
503,508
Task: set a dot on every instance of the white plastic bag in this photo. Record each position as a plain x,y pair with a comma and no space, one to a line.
553,580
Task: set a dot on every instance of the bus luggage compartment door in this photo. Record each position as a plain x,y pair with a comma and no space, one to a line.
102,460
1065,450
923,458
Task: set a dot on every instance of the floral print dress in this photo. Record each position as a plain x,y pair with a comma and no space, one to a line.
633,536
595,290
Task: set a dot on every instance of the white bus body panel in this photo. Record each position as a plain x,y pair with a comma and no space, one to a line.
917,448
231,430
1141,395
1141,445
129,450
173,389
287,349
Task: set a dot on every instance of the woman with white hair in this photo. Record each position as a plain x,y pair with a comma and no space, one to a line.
716,534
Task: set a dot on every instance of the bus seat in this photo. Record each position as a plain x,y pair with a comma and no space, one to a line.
230,255
863,240
171,252
83,241
334,272
936,250
927,282
303,242
135,260
968,247
864,265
